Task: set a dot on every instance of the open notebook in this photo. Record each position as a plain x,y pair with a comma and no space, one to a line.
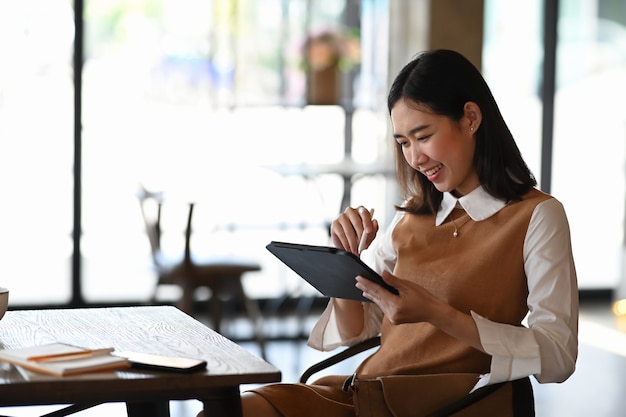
61,359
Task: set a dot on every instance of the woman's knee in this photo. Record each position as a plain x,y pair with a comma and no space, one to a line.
254,405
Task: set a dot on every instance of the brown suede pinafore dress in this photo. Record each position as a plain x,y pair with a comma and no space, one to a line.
481,270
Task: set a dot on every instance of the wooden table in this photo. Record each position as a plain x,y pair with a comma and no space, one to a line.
161,330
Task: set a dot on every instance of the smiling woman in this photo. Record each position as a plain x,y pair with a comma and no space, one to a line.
439,148
456,159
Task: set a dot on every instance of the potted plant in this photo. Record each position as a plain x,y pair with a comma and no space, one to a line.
326,55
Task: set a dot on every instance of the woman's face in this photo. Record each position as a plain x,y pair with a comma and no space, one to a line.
436,146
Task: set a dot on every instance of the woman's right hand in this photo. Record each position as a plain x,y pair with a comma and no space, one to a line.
347,229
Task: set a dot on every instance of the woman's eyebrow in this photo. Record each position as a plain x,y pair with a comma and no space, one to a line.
412,132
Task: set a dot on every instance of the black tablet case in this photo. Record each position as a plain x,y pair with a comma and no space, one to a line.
330,270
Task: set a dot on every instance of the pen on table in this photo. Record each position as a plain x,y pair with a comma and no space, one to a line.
364,236
70,355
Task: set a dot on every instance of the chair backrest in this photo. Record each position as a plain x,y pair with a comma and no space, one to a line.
151,203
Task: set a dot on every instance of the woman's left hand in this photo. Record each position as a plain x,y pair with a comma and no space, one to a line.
413,304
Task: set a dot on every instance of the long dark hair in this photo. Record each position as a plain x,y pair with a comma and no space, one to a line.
443,81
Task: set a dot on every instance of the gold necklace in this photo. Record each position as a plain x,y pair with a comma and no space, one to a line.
456,228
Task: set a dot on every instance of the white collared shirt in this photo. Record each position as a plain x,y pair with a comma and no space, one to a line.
548,347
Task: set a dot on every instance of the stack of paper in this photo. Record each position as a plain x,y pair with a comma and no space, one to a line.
60,359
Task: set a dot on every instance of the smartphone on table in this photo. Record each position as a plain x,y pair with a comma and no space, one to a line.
163,363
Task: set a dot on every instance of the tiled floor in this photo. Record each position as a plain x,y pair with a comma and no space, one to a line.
597,388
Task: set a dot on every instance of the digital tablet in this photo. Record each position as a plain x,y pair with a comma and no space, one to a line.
330,270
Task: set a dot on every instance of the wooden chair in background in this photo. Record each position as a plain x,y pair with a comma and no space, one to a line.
222,276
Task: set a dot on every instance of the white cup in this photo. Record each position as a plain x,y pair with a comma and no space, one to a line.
4,300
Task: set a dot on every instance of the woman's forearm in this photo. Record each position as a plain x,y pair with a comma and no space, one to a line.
350,317
457,324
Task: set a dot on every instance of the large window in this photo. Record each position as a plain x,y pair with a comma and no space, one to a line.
36,149
208,103
589,122
205,100
590,132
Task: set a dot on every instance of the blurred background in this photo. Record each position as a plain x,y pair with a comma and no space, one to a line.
270,117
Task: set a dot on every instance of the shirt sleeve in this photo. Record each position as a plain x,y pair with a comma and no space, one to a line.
548,347
326,336
380,256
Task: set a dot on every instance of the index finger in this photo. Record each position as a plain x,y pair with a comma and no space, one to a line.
370,289
366,217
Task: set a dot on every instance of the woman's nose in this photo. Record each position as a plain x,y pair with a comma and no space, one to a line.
416,157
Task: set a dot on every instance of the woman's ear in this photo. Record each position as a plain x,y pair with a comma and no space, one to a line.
473,114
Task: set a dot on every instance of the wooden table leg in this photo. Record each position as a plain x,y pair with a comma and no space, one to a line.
225,403
149,409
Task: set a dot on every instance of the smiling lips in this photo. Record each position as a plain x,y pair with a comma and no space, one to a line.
432,171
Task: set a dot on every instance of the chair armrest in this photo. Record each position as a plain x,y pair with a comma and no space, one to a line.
338,357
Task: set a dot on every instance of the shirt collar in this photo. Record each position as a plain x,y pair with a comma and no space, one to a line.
479,204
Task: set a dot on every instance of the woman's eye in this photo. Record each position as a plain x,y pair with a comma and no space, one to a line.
423,138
